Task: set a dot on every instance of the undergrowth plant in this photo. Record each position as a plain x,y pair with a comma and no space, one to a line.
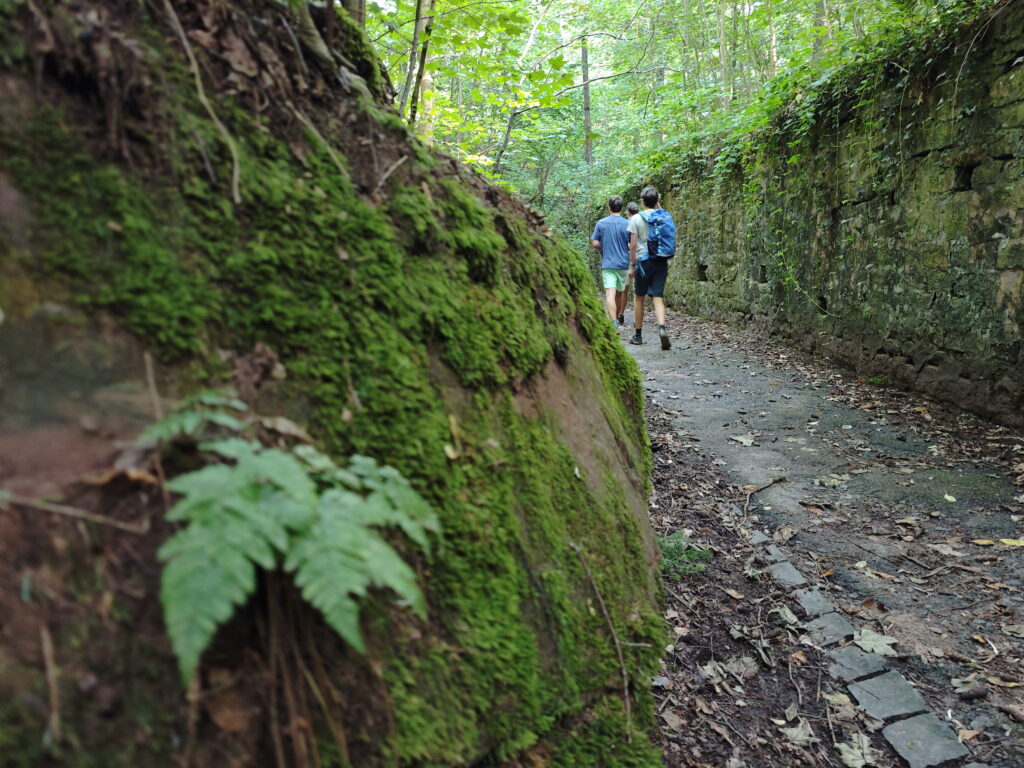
680,557
293,509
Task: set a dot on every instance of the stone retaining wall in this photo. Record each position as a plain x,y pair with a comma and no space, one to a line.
891,238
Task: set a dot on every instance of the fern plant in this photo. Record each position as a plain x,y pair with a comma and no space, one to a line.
293,509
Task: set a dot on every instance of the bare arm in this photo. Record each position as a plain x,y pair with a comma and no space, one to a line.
632,249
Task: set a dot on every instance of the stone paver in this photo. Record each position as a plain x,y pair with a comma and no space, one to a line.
758,537
923,741
813,602
887,696
829,629
786,575
851,663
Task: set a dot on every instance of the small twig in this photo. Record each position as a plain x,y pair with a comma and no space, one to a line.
391,169
799,692
746,504
49,658
158,412
615,638
236,195
1013,710
319,137
193,696
6,497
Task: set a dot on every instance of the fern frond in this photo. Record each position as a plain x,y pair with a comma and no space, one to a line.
267,507
210,570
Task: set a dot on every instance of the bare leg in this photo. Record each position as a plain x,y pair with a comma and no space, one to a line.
638,311
610,302
659,309
620,300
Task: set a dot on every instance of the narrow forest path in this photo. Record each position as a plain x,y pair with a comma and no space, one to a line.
873,539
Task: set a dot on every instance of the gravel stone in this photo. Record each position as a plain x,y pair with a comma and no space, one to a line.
851,663
786,575
774,554
813,602
923,741
829,629
888,696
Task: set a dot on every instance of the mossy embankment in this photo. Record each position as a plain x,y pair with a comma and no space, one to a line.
418,316
877,217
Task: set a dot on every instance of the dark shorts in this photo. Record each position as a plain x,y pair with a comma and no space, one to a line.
649,278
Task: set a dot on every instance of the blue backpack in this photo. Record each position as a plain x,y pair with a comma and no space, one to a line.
661,234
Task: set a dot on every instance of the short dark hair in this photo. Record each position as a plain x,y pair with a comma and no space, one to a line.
614,203
650,196
633,209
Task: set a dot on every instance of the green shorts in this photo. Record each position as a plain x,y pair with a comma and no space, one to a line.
615,278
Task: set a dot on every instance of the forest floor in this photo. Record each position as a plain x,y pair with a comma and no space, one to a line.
902,516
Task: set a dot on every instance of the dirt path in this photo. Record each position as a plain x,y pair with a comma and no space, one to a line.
874,538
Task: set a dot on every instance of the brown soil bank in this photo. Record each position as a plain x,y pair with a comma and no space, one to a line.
251,213
878,219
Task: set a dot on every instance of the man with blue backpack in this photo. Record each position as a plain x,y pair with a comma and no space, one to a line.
652,242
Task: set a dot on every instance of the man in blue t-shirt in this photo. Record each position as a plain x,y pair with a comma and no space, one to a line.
611,240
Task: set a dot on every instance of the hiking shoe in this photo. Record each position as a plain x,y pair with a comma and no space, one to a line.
621,319
663,335
636,338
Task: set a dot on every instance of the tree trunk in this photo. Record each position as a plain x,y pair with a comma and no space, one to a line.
819,28
773,43
356,9
723,56
588,146
428,28
411,73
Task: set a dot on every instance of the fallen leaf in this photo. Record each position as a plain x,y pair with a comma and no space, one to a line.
1013,630
784,533
1012,542
945,549
859,752
742,669
961,684
947,497
1004,683
450,452
966,735
873,609
801,735
733,594
672,721
237,54
873,642
983,542
798,657
746,440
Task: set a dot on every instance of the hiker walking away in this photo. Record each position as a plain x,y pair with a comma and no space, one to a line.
611,240
652,242
621,298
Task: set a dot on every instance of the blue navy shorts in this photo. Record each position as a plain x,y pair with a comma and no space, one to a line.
649,279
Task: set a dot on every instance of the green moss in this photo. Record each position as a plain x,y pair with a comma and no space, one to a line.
372,308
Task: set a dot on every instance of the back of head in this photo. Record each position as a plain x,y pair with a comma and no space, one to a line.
614,203
632,209
650,197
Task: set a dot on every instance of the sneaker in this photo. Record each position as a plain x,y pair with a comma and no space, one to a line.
621,319
636,338
663,335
